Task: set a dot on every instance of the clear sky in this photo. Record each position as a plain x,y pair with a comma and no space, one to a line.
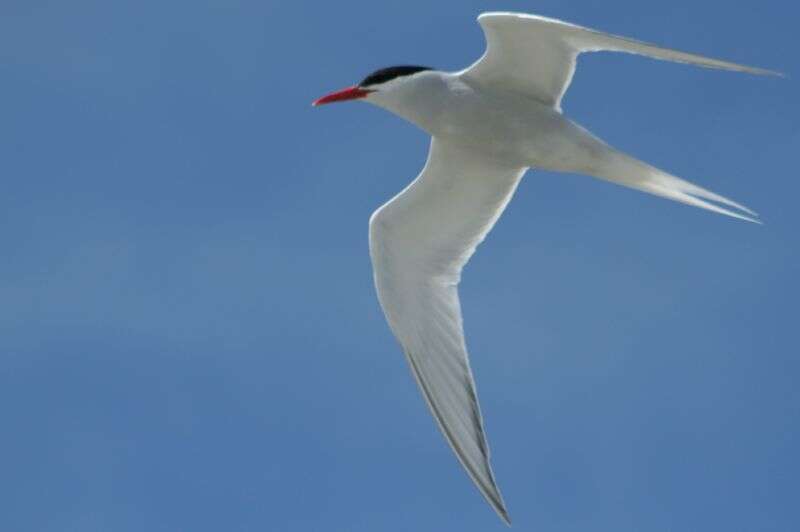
189,336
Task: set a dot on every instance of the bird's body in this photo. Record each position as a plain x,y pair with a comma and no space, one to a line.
510,127
489,123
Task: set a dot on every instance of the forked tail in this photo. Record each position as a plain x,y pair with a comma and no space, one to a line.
625,170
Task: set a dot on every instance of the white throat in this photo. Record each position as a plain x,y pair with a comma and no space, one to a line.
419,98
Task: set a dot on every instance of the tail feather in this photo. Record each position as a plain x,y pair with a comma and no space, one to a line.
693,200
627,171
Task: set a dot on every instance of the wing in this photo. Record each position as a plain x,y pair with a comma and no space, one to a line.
419,242
536,55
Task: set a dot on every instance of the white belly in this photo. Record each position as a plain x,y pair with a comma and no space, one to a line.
519,129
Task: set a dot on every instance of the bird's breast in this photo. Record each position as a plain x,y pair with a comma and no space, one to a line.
521,130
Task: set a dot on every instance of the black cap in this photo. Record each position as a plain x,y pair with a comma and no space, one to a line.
386,74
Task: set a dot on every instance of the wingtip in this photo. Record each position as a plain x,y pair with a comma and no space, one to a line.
767,72
498,504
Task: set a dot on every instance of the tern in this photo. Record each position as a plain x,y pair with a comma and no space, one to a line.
489,124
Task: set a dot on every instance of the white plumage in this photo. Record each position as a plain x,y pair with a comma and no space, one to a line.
489,123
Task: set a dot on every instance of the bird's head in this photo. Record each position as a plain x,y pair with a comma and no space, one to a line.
380,85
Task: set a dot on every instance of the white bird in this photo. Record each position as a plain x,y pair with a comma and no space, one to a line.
489,123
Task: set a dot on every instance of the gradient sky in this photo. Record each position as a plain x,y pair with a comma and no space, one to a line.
189,336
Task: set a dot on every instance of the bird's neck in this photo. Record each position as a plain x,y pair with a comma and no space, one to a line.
420,102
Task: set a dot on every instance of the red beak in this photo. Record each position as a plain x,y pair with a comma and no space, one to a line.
350,93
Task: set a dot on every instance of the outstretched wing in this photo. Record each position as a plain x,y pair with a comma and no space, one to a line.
536,55
419,242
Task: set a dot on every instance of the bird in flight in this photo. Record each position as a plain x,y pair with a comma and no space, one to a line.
488,124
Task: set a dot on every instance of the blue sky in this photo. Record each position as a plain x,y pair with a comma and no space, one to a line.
189,337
